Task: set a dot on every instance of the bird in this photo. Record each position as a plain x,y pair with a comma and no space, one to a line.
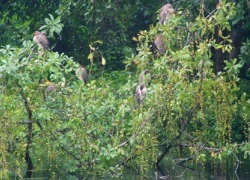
82,74
165,13
145,76
50,88
41,40
140,93
160,44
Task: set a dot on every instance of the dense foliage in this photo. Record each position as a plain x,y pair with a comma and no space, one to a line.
56,126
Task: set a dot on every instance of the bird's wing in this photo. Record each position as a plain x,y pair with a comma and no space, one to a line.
84,75
43,40
144,92
160,44
163,15
138,94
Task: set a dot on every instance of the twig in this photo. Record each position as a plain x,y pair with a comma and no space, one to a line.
210,14
72,155
238,162
184,160
166,151
188,39
31,52
181,174
186,167
174,140
201,148
30,122
133,136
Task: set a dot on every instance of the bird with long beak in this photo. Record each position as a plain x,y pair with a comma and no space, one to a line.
140,92
160,44
82,74
49,90
165,13
41,40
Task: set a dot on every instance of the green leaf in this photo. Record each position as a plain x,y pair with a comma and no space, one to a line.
51,17
91,57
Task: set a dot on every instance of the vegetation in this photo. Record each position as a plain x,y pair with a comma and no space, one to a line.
55,125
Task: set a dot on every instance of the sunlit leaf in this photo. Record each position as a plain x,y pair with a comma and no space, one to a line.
103,61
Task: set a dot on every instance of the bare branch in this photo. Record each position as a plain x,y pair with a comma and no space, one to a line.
210,14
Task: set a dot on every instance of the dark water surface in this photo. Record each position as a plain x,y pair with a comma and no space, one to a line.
207,171
168,169
211,170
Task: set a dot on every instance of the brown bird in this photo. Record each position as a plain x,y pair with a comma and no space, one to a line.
50,88
160,44
145,76
165,13
41,40
82,74
140,92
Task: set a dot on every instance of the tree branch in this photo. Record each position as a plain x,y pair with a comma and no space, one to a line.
183,125
236,169
28,134
210,14
63,148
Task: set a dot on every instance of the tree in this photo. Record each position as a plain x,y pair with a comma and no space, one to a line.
51,120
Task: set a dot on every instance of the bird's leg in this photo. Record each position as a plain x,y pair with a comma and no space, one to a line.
31,52
141,108
44,55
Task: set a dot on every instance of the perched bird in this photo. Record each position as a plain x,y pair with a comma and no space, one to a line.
82,74
50,88
165,13
160,44
145,76
140,92
41,40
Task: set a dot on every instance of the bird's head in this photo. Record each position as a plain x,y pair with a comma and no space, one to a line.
170,8
36,33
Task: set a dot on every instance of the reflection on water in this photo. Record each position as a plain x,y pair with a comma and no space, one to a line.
209,171
169,170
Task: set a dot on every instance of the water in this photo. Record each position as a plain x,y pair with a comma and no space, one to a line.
211,170
168,169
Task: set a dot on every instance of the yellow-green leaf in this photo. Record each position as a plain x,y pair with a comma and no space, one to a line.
135,39
103,61
91,57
